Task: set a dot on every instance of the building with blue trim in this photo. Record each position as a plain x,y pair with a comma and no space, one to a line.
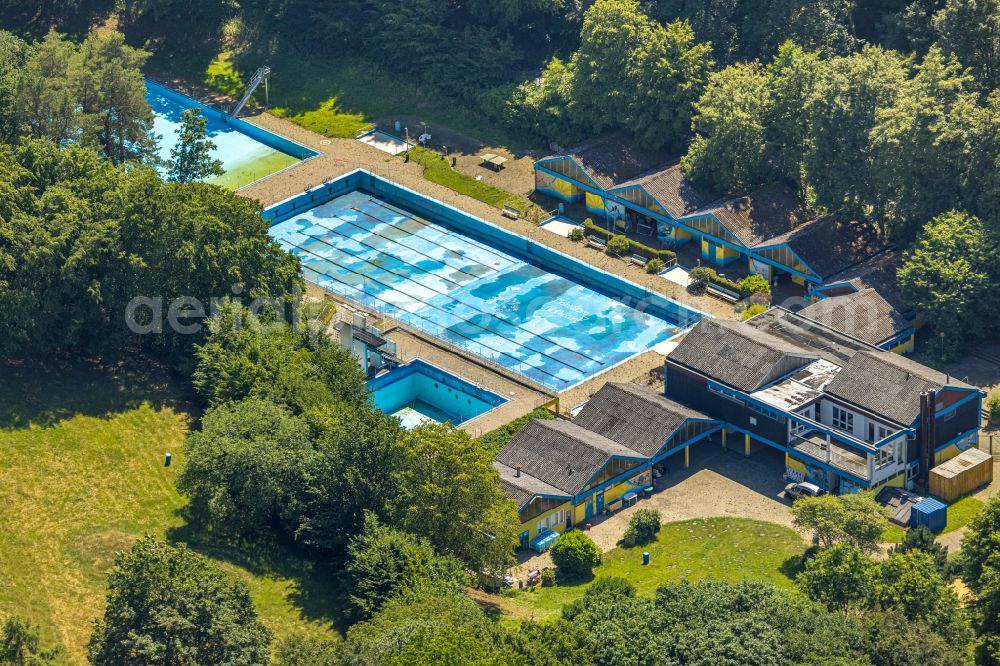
847,414
769,231
867,316
563,473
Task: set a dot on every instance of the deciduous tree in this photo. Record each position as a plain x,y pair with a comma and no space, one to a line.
971,30
451,496
169,606
950,276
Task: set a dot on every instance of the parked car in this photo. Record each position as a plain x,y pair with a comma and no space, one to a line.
803,489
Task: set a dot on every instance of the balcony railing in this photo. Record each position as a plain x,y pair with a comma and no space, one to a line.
815,445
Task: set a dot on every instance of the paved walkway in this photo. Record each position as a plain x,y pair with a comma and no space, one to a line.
338,156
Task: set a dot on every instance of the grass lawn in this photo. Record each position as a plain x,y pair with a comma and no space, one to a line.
961,513
893,534
334,96
730,549
83,476
437,169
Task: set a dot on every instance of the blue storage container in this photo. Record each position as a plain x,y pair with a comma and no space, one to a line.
544,541
930,513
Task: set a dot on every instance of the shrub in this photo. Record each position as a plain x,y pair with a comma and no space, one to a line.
548,577
698,278
752,311
618,245
654,266
576,234
725,283
754,284
575,555
642,528
634,247
993,407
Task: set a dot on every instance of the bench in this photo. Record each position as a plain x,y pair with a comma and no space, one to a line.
511,212
721,293
638,260
597,242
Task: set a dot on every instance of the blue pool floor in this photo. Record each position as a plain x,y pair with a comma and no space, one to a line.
418,413
540,324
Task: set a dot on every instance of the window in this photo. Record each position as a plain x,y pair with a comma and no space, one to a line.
766,411
725,392
911,472
885,457
843,419
949,415
877,432
551,521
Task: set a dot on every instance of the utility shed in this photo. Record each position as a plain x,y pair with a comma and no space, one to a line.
930,513
960,475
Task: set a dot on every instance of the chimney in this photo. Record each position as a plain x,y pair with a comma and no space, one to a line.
927,435
517,471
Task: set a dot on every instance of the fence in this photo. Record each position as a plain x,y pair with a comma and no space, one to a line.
990,443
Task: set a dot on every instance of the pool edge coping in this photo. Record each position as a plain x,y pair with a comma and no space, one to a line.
681,330
506,400
199,103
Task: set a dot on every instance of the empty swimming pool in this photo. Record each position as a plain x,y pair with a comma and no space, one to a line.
488,291
418,393
247,152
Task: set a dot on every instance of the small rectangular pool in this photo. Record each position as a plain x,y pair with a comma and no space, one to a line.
247,152
419,392
493,293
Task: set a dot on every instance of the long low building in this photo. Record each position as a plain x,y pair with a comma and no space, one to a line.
770,230
562,473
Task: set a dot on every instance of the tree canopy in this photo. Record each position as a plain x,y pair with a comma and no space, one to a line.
169,606
191,159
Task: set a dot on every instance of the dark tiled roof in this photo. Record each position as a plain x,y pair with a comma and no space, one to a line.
635,416
667,185
829,246
612,159
769,212
887,384
864,315
522,488
560,453
879,273
738,355
809,334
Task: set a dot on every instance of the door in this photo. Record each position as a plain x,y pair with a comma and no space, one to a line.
600,503
589,508
523,539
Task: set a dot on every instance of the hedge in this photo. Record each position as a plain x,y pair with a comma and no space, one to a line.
635,247
726,283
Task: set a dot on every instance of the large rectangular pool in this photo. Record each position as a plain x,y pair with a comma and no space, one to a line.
493,293
247,152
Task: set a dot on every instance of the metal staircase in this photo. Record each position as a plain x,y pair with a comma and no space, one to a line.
258,76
